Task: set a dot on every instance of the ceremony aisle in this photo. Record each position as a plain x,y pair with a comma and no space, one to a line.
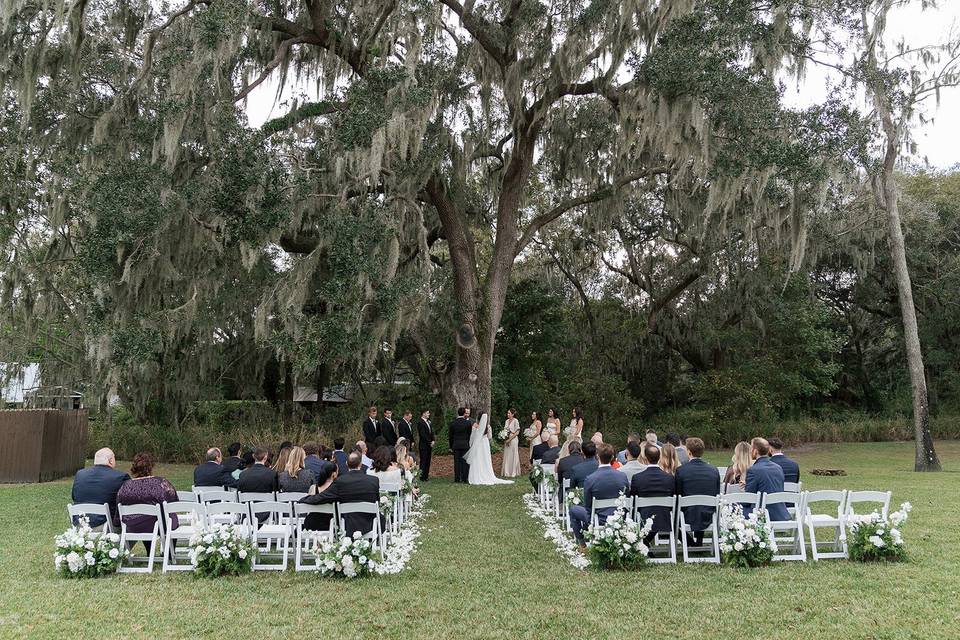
484,570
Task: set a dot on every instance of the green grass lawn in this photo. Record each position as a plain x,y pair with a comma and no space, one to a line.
484,570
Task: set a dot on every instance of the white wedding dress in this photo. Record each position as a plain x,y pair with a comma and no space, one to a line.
479,458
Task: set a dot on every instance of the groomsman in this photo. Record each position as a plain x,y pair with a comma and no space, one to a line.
371,428
387,428
460,444
427,442
404,428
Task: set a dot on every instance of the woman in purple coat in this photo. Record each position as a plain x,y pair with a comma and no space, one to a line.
145,488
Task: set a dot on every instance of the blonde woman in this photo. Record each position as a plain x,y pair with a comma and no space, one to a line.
740,462
281,462
404,459
669,460
511,448
295,477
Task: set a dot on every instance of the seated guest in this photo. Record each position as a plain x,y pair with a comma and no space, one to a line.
258,477
145,488
403,455
99,484
603,484
635,461
339,455
247,458
312,460
566,464
652,438
283,455
353,486
739,464
622,455
791,470
765,477
654,482
682,456
384,468
668,459
698,478
361,447
597,438
551,455
321,521
296,477
580,472
539,450
211,473
682,452
233,461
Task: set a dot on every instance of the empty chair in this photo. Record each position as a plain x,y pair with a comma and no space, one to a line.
230,495
191,515
793,487
307,539
375,534
274,526
793,527
228,513
831,518
661,539
89,509
186,496
881,498
152,540
712,529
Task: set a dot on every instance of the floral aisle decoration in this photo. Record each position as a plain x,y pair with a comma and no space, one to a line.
574,497
536,475
386,504
745,541
618,543
873,537
403,543
82,552
221,550
553,531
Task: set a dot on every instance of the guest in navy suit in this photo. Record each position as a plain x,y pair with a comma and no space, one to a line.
565,465
697,478
603,484
312,460
765,477
791,470
99,484
654,482
339,455
580,472
213,474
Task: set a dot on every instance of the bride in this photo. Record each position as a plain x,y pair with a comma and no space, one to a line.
478,457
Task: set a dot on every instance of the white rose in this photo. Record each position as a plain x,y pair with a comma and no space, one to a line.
114,553
242,554
88,557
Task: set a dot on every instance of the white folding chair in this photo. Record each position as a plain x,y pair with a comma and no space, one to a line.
290,496
190,515
742,498
598,504
90,509
793,527
198,490
713,530
152,541
793,487
306,539
546,494
732,487
564,514
375,534
393,489
869,497
723,473
834,520
229,495
186,496
229,513
658,541
276,526
255,496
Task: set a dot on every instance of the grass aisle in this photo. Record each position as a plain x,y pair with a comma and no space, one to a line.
483,570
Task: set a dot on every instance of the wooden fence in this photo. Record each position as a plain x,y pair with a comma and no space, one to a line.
37,445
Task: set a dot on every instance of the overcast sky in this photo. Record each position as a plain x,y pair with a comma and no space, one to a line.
937,141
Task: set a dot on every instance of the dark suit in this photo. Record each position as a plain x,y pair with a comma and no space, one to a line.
580,472
565,467
340,457
603,484
404,430
233,463
539,450
698,478
654,482
371,431
98,484
389,432
211,474
257,479
551,455
425,431
460,430
791,470
766,477
314,463
353,486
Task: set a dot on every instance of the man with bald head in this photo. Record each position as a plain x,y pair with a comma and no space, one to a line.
212,473
99,484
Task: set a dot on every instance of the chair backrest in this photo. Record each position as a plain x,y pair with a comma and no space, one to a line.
300,510
723,473
549,468
198,489
184,507
274,508
793,487
186,496
142,510
89,509
566,483
256,496
732,487
838,498
859,497
218,496
233,509
536,461
358,507
390,487
742,498
604,503
666,501
290,496
783,497
697,501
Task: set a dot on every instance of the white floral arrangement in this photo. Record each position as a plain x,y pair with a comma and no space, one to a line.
618,543
386,504
552,530
221,549
347,557
82,552
574,497
503,434
745,541
872,537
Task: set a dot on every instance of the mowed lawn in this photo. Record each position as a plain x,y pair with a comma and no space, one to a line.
484,571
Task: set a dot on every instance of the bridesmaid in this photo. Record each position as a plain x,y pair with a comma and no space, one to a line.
574,432
534,432
552,427
511,448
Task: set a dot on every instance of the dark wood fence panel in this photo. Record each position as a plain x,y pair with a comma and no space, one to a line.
37,445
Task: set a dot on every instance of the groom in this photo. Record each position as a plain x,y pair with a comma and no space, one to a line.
459,443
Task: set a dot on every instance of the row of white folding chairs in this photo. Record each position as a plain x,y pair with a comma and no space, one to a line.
279,523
